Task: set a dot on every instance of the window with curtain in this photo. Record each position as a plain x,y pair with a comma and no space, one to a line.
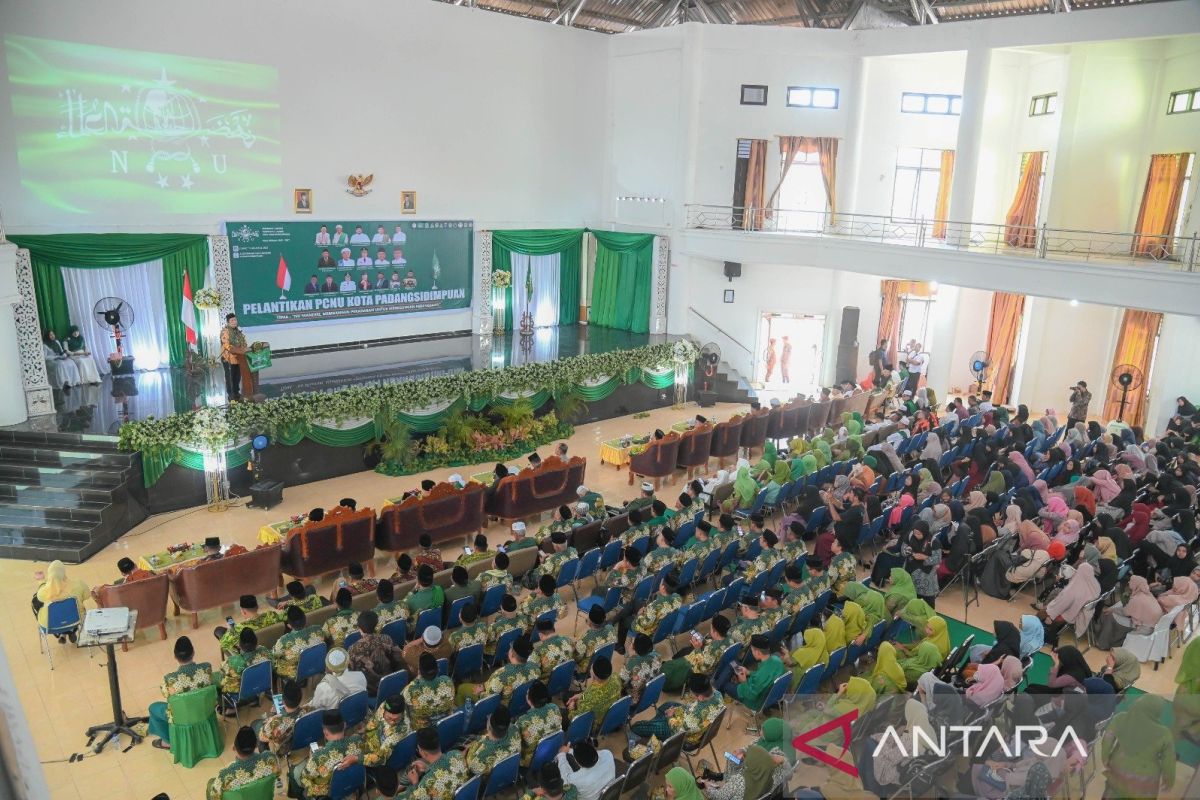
798,150
1021,221
1004,330
893,311
1136,347
916,316
918,183
802,203
1161,215
1041,180
749,184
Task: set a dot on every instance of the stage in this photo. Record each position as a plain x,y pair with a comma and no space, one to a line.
102,409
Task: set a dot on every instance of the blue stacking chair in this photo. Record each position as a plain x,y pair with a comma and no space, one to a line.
354,708
685,532
642,545
545,752
780,630
403,753
835,663
728,657
811,681
757,586
876,637
775,696
518,704
311,662
396,630
551,616
480,712
581,727
759,501
567,573
62,618
650,694
503,776
467,662
390,684
503,644
443,665
491,600
612,596
733,592
817,520
752,550
716,602
255,682
616,716
308,730
347,781
667,627
560,679
642,591
824,599
693,615
469,790
728,555
611,555
709,566
602,652
803,617
430,617
687,573
775,575
450,729
589,564
351,638
454,616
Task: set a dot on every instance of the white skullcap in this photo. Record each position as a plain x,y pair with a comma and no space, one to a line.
432,636
647,486
581,491
582,508
518,526
456,478
335,661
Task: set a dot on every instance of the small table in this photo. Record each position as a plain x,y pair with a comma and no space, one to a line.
156,562
121,724
611,452
486,478
276,532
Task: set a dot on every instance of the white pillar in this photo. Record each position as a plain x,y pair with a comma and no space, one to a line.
970,131
12,388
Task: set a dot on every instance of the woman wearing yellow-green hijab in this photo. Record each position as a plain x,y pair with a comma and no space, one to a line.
744,489
900,591
797,446
925,658
682,786
917,613
937,632
808,655
823,447
888,676
855,621
871,601
804,465
1187,693
854,694
835,634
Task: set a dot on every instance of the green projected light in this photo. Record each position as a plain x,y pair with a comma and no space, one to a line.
130,131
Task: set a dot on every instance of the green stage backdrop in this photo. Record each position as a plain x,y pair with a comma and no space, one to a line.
414,267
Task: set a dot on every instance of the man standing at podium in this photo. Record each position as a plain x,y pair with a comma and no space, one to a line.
233,348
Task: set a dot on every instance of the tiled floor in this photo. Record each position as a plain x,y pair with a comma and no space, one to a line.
62,703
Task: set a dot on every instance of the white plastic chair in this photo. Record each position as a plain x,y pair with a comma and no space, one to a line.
1156,645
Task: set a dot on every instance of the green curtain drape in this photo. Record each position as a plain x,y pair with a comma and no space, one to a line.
567,242
621,286
50,253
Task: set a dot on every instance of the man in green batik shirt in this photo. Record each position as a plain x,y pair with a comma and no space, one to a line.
818,577
658,515
794,548
542,719
763,562
598,634
285,655
472,631
545,599
594,500
601,691
701,543
750,622
430,696
552,562
187,677
434,775
636,530
551,649
385,729
681,514
505,680
275,730
704,659
343,623
249,767
249,654
663,555
389,609
500,741
644,499
498,575
550,786
645,663
509,619
479,552
693,717
563,522
841,569
654,612
796,594
427,594
310,779
519,538
297,595
252,619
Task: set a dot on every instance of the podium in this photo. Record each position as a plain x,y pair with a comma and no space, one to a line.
249,365
120,724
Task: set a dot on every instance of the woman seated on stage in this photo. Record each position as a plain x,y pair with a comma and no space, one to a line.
60,367
79,353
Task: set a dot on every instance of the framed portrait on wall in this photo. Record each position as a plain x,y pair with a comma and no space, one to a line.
408,202
302,201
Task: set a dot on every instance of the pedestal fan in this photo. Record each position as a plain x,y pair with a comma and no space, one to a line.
979,364
710,359
1127,378
116,317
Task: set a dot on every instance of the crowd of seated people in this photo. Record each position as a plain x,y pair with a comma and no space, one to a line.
1098,522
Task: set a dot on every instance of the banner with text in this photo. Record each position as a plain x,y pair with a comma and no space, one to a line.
290,272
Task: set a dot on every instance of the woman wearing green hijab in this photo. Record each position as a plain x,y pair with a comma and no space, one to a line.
917,613
824,449
1187,693
682,786
828,435
924,478
888,677
901,590
760,774
808,655
770,454
744,489
855,621
854,445
925,658
871,601
854,427
777,738
835,634
994,484
1138,751
854,694
804,465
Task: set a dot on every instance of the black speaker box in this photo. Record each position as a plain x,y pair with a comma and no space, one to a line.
733,269
266,494
849,325
847,363
706,399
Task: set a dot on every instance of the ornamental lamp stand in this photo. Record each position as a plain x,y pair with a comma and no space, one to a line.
216,481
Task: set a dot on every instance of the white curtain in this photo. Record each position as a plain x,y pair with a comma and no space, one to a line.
139,285
543,347
544,305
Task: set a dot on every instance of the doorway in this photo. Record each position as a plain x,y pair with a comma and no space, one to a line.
790,352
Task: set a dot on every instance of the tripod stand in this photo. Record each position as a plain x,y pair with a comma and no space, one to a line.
120,724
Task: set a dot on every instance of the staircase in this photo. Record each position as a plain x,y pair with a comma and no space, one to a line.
65,495
730,386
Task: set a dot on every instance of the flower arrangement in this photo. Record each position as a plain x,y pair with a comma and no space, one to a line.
501,279
214,428
207,298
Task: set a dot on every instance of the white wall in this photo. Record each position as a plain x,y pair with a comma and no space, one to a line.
1174,369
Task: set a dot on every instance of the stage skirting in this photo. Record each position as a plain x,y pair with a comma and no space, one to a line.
318,452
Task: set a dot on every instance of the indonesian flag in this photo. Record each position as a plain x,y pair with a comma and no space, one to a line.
187,312
283,278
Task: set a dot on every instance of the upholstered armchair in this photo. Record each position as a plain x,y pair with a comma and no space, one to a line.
694,447
657,461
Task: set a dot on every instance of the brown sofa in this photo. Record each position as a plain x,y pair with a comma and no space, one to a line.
776,420
210,584
344,537
754,429
533,491
148,597
798,423
694,447
657,461
445,513
818,417
726,440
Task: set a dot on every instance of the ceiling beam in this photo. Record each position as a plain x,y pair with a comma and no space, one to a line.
851,13
547,5
929,13
663,17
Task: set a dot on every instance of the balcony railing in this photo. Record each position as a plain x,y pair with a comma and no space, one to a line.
1162,252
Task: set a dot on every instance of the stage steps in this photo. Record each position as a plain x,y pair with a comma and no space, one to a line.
65,495
730,386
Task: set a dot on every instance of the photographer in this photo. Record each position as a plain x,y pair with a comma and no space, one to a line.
1081,398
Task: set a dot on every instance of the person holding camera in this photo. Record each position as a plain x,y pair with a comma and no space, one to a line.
1081,398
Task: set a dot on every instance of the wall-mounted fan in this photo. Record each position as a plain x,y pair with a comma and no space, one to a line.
979,364
1127,378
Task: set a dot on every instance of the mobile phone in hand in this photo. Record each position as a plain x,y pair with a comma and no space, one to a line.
737,762
277,699
312,746
229,621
